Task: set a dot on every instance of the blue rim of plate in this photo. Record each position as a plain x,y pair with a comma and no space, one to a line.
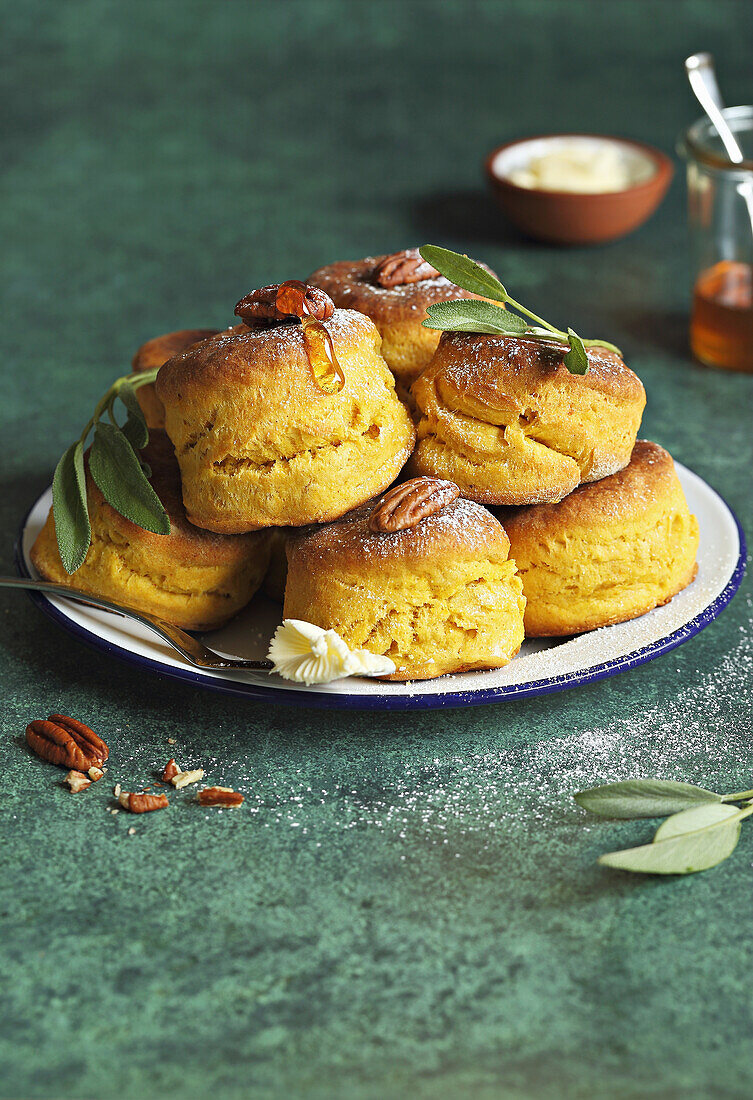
479,697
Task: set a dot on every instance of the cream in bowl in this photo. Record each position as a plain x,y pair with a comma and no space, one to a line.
584,165
578,188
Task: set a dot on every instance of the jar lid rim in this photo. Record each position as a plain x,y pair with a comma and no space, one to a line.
693,141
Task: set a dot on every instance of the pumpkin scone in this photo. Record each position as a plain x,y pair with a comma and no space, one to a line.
503,418
394,291
191,578
609,552
420,576
293,420
153,354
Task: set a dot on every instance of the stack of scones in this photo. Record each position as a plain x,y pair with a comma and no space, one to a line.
492,495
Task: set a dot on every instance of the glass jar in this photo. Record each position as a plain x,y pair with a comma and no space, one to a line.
720,212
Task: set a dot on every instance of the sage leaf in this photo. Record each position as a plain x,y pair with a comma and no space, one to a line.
69,510
576,359
697,817
134,429
633,798
467,274
679,850
118,474
473,315
464,272
602,344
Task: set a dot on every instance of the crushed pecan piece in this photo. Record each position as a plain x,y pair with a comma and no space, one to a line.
95,774
171,769
137,803
77,781
404,267
219,796
184,779
409,503
66,742
279,301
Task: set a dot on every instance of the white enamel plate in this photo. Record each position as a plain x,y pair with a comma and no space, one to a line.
541,666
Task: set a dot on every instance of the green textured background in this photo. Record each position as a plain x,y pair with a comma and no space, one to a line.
406,905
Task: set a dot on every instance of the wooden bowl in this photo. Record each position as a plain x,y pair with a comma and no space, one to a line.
567,217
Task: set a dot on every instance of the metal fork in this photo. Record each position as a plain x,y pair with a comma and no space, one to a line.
194,651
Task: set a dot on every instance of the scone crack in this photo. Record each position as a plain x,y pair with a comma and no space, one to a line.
157,581
194,439
235,463
415,610
550,495
524,427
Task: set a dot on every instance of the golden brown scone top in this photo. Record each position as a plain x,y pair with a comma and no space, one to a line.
352,284
633,491
185,540
157,351
271,361
501,372
460,530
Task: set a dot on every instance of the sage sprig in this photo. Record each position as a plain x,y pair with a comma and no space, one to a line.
117,470
474,315
642,798
702,830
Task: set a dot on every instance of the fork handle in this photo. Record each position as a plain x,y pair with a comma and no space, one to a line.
54,589
189,647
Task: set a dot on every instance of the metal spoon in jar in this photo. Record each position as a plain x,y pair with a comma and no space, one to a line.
702,77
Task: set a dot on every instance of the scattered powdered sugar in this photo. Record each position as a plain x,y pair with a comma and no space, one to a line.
472,358
688,734
460,781
344,324
460,526
352,284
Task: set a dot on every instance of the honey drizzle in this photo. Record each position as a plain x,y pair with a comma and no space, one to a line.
327,372
325,369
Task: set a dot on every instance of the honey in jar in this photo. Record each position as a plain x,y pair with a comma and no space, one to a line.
721,326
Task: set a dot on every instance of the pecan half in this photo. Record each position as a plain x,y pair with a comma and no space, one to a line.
142,803
219,796
277,302
171,769
403,267
409,503
66,742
